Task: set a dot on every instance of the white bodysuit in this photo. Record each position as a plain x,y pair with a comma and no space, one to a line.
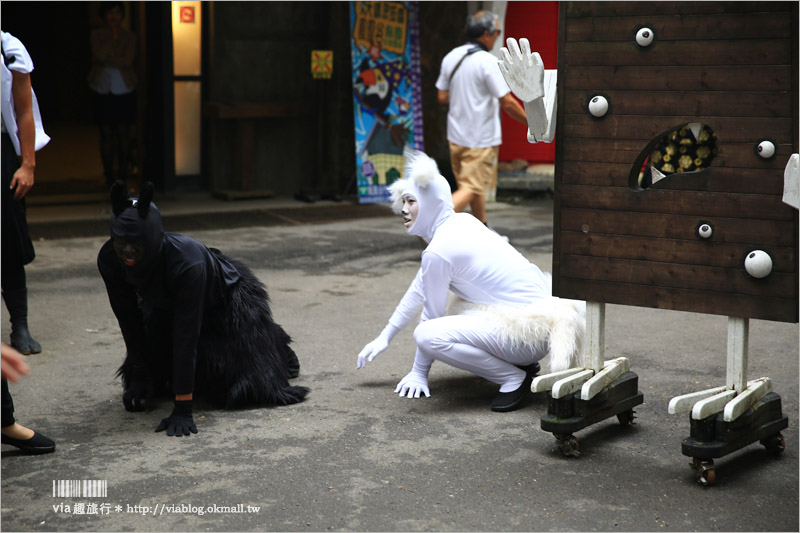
467,258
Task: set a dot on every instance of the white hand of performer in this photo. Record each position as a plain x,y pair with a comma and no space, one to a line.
371,351
378,345
523,70
413,385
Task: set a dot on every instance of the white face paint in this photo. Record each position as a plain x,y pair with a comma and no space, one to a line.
410,210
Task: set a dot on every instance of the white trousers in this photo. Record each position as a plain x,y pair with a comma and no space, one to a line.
471,344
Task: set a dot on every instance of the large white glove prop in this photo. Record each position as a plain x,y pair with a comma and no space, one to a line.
413,385
527,78
522,69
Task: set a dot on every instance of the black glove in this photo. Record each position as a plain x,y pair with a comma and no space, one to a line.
139,390
180,422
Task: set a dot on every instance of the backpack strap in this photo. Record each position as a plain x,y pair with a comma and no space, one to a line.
469,53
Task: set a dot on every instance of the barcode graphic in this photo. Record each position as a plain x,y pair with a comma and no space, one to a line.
80,488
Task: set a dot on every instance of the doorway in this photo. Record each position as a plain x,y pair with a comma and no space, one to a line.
57,35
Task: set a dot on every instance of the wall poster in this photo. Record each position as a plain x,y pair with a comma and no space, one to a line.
387,92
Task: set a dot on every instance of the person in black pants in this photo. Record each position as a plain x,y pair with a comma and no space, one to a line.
22,135
28,440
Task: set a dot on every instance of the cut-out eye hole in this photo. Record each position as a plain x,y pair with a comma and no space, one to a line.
688,148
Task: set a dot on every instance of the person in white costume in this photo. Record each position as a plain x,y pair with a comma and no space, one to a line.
506,319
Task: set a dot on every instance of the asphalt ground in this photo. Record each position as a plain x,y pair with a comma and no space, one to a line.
354,456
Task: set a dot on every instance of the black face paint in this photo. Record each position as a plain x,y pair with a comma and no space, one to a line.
129,251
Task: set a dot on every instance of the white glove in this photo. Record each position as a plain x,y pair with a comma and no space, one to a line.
522,70
378,345
415,383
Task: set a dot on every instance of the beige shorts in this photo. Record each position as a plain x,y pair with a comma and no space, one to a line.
475,168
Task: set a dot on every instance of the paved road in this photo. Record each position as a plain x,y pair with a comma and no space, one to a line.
354,456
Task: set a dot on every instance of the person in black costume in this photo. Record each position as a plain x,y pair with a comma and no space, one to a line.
190,317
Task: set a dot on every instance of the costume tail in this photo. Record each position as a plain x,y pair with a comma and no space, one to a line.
248,361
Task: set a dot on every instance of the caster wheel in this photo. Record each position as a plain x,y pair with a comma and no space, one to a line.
774,443
704,471
626,417
568,444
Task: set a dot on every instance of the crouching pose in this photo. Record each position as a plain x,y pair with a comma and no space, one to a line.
191,318
506,320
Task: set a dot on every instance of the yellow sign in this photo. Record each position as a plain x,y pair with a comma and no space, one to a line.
322,64
381,25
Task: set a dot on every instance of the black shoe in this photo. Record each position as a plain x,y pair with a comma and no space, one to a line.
35,445
22,341
511,401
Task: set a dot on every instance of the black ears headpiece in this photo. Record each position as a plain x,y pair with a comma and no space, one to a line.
120,200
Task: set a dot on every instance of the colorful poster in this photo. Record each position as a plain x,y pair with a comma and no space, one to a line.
387,92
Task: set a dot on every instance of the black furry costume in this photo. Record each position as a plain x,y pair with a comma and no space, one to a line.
191,317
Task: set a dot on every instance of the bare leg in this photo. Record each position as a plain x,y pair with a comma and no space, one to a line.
478,205
18,431
461,198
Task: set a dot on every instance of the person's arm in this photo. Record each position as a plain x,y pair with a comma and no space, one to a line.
102,48
406,310
113,50
26,132
124,47
514,109
189,309
443,97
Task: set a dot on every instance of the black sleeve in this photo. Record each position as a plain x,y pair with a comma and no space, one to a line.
189,288
124,303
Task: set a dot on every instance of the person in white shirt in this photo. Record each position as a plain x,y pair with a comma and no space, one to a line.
22,135
471,83
508,319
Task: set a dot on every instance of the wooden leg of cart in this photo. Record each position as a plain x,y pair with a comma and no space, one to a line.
727,418
580,397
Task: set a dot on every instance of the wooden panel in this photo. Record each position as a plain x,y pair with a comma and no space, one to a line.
706,204
717,178
728,129
726,230
738,155
695,277
730,65
670,250
693,78
739,305
676,53
698,103
623,9
686,27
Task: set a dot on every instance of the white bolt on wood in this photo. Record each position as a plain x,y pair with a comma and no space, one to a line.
685,402
714,404
738,339
612,370
545,382
756,390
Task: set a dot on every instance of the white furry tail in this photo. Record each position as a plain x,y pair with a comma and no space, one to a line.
559,321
